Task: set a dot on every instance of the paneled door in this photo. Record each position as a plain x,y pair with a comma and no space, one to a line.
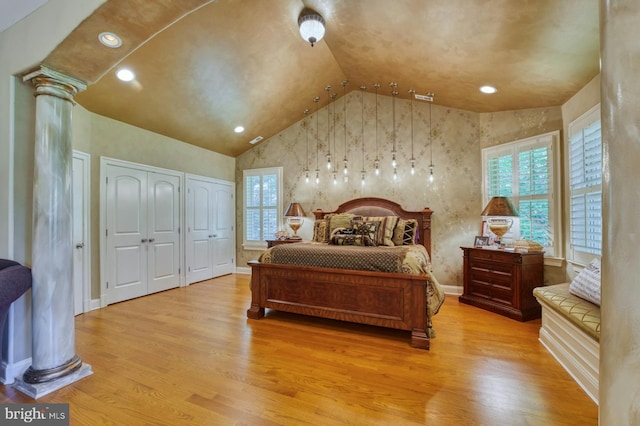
210,228
223,230
126,221
81,241
142,232
200,196
163,234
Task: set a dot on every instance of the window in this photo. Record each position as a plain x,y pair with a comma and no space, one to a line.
585,186
525,172
262,205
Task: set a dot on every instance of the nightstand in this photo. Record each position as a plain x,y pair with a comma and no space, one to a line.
502,281
271,243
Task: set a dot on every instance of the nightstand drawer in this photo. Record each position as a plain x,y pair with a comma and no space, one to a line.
496,271
493,255
491,292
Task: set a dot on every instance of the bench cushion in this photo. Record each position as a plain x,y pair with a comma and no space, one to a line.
582,313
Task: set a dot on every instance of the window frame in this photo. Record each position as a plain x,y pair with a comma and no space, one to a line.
261,172
553,253
581,123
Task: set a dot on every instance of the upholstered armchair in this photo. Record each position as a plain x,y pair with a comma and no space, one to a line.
15,280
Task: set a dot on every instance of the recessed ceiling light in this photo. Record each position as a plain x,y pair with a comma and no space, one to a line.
488,89
239,129
110,40
125,74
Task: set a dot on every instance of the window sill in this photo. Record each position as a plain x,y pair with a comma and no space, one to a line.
258,246
554,261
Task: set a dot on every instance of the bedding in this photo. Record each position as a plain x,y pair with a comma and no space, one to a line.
408,259
388,285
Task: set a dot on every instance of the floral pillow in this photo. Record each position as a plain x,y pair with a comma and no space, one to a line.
321,231
586,284
369,229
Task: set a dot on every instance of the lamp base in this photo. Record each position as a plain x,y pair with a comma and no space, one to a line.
295,237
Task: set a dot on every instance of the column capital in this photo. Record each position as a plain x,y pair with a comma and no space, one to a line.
54,83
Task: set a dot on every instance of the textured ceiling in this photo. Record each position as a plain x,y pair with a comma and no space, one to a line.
204,67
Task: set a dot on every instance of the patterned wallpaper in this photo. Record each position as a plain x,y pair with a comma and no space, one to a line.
454,196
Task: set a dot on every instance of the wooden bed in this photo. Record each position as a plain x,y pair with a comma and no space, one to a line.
383,299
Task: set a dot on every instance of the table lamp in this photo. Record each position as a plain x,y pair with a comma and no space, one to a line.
499,206
295,218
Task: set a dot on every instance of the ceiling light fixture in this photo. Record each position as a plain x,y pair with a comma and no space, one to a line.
239,129
311,26
488,89
110,40
125,74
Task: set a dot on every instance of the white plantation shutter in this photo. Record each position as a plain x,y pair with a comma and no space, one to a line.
262,204
524,172
585,185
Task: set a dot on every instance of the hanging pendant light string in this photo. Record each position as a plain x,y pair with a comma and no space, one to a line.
316,100
376,162
344,106
431,95
306,126
362,88
328,88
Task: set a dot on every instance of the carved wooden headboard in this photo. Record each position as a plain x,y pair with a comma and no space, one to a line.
371,206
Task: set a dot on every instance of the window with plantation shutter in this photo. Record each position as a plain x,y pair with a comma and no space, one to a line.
524,171
262,205
585,186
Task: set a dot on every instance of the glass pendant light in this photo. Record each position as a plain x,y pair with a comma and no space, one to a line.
413,160
316,100
376,162
306,126
328,88
362,172
394,163
345,170
431,178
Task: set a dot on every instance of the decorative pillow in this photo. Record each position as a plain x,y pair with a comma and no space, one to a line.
350,240
385,231
587,284
369,229
339,220
321,231
405,232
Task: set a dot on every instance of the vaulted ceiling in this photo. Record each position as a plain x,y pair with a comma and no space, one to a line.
204,67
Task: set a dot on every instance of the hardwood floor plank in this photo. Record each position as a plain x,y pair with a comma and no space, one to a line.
189,356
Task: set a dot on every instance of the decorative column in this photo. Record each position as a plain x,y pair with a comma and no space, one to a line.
620,92
54,362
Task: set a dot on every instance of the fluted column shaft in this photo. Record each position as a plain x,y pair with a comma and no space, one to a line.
53,351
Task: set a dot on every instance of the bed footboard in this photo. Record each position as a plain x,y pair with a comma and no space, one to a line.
376,298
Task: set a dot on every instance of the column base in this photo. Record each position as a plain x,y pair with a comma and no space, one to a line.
39,390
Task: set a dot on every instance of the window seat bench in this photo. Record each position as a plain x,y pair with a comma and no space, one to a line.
570,331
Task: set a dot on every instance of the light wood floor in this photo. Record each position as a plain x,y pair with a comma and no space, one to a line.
190,356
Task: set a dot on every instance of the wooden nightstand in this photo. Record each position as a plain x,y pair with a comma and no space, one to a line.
271,243
503,281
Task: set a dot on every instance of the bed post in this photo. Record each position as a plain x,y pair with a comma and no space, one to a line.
255,311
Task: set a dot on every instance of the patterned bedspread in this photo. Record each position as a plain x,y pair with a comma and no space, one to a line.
408,259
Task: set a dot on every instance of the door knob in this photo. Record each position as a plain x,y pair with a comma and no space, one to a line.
215,235
80,245
211,236
144,240
151,240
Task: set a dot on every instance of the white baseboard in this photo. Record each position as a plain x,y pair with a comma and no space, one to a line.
577,352
453,290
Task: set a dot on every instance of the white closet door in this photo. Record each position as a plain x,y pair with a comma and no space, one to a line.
223,235
127,233
81,252
199,230
163,231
